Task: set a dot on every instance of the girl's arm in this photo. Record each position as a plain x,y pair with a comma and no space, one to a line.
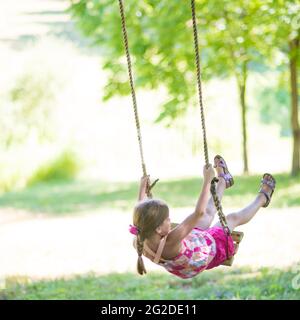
203,198
184,228
145,181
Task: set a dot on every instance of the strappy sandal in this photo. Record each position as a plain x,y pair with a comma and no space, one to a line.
271,182
226,175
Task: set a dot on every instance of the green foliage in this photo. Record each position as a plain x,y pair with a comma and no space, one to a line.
78,196
64,167
234,36
158,58
27,113
274,107
234,283
281,24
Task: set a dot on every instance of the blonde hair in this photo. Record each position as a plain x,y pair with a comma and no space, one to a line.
147,216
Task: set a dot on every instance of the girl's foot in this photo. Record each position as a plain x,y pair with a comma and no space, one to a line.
267,187
222,170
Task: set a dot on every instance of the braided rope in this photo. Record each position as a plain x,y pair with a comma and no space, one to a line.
213,191
198,70
218,206
133,95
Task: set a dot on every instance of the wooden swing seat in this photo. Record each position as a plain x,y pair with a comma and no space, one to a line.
237,237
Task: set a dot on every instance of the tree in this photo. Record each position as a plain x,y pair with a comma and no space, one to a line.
280,22
160,39
160,46
283,33
233,42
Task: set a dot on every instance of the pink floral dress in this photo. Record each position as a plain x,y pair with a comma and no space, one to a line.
201,250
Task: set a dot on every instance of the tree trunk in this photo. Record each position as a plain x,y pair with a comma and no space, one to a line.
244,128
294,47
242,92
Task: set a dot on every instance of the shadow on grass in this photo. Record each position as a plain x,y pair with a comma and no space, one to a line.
82,196
235,283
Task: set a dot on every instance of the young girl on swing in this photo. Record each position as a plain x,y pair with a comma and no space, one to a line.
192,246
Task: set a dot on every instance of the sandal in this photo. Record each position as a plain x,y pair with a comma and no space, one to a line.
226,175
270,182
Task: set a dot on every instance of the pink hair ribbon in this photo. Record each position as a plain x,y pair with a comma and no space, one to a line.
133,229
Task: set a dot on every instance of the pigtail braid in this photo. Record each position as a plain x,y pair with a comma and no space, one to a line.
140,262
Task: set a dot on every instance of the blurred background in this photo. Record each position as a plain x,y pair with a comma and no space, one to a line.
70,164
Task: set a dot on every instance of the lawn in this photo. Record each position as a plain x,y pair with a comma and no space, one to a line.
235,283
81,196
75,197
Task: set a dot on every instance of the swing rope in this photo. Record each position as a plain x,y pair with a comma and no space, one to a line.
213,191
133,95
216,200
199,83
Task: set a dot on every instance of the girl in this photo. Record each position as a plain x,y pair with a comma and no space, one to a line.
192,246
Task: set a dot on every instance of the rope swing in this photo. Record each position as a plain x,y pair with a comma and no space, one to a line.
237,236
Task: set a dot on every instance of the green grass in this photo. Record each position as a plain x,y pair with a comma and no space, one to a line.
64,167
82,196
242,283
78,196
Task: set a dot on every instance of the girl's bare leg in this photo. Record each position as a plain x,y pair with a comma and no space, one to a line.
208,217
245,215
